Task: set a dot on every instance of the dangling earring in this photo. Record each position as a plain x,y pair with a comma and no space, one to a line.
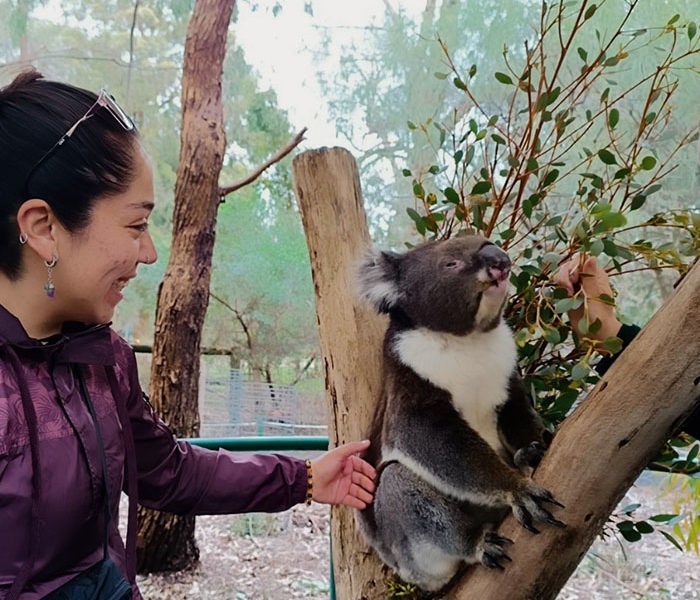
23,238
49,287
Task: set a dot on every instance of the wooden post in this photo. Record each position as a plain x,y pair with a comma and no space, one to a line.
327,186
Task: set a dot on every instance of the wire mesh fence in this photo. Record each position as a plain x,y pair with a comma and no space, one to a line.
231,406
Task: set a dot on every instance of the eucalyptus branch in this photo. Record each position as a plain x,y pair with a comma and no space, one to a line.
224,191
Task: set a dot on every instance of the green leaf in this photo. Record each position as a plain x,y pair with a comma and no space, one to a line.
550,177
532,165
472,71
613,344
638,201
458,155
613,219
597,247
406,173
440,76
459,84
609,247
613,118
481,187
580,371
671,539
583,54
590,11
607,157
631,535
451,195
662,518
498,139
434,170
692,30
411,125
643,527
503,78
414,215
648,163
418,190
563,305
469,155
551,335
673,19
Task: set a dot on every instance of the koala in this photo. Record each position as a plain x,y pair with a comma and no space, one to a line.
454,437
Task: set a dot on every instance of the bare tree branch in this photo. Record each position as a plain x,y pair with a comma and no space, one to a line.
224,191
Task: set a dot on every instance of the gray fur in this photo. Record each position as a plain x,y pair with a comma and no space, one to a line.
453,434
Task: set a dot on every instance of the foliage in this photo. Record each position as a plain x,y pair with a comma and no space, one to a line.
572,160
686,498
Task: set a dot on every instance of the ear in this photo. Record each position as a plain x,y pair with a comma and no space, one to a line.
37,221
377,280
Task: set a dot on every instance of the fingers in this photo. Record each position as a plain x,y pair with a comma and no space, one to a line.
568,275
352,448
364,481
364,468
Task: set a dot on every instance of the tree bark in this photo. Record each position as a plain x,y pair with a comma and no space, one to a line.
327,186
602,448
166,542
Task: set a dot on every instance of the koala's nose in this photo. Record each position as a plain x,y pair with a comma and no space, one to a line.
496,261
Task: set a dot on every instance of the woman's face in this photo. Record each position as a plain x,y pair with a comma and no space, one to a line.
95,264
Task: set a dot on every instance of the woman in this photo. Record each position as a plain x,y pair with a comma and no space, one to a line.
75,426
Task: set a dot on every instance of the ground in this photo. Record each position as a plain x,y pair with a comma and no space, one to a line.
284,556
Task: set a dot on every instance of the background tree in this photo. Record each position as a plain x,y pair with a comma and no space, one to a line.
166,542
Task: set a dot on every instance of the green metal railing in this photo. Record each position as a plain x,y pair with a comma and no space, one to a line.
268,444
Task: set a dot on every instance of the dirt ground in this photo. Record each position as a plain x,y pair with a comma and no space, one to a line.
283,556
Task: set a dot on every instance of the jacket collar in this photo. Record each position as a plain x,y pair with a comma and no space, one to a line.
77,343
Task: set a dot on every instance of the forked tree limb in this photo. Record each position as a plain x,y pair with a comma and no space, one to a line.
600,450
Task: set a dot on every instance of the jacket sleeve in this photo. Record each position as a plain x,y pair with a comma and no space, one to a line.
627,333
177,477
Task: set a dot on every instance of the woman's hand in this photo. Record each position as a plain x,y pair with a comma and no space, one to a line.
341,477
582,274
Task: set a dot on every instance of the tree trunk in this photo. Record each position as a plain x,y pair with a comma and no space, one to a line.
166,542
597,454
327,186
602,448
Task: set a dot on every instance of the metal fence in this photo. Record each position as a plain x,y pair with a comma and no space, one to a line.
234,407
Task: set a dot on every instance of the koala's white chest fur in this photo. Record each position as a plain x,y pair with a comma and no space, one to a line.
474,369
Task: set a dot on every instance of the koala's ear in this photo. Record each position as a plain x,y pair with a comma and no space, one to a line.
376,279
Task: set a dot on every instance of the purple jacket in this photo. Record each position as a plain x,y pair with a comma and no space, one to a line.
172,476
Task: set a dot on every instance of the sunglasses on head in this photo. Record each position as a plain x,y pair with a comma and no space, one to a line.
104,100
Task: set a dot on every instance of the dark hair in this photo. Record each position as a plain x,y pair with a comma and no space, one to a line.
97,160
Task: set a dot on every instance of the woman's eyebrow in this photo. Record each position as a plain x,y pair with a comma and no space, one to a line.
146,204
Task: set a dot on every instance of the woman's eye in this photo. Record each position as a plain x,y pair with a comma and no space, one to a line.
141,227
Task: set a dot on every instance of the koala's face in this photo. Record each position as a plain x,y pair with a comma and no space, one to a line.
455,286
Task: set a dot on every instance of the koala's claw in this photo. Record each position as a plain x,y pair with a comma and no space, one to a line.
527,505
530,456
492,552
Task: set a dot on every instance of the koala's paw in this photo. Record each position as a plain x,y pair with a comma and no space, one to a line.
527,506
490,550
529,457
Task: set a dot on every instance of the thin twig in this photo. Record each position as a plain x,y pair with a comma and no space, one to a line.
224,191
